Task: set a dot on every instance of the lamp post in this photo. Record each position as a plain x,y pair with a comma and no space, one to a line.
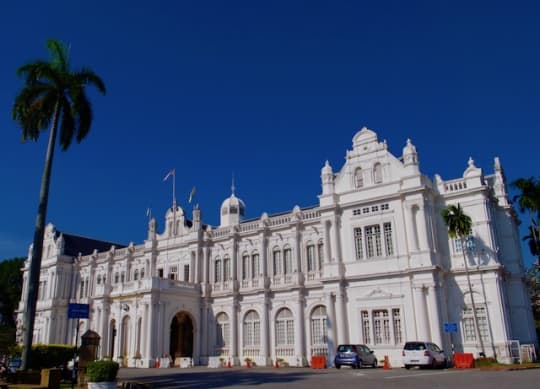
470,245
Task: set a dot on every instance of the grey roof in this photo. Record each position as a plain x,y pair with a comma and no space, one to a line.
73,244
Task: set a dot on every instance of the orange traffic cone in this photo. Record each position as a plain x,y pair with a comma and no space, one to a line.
157,363
229,363
248,364
276,365
386,363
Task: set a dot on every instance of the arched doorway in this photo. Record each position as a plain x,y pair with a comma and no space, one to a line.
181,336
112,338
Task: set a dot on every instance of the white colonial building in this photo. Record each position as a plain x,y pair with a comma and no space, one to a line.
372,264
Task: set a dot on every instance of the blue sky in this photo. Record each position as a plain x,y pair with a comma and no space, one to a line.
267,91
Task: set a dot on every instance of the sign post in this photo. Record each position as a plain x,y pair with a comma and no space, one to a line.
77,311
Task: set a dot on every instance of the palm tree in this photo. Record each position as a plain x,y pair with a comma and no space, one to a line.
53,96
459,226
528,201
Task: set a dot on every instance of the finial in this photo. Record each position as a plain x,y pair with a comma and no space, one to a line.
471,162
232,184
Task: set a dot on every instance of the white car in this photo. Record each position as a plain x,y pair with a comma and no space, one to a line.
423,354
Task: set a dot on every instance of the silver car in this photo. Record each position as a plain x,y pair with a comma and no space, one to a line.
423,354
354,355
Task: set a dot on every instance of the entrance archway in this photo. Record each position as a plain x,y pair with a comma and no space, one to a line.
181,336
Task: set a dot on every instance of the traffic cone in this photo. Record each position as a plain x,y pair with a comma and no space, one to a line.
157,363
248,364
276,365
386,363
229,363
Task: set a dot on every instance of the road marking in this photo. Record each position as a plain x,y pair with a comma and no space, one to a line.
418,375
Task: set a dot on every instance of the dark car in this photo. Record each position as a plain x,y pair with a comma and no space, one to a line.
354,355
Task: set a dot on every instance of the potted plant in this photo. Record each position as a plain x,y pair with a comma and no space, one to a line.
102,374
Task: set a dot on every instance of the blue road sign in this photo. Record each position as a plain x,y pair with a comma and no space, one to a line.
78,311
450,327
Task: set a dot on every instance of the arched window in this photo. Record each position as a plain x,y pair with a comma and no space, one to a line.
217,270
377,173
252,330
358,178
284,330
136,275
222,332
99,279
319,336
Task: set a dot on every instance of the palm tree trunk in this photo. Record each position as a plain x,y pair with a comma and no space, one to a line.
37,246
475,316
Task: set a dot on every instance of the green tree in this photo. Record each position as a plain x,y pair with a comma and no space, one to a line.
54,96
10,288
528,202
459,226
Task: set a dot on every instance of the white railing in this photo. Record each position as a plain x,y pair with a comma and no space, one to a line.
252,226
284,351
220,232
455,185
319,349
310,215
250,352
279,220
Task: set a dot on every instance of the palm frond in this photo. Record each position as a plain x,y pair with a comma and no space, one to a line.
84,115
59,55
87,77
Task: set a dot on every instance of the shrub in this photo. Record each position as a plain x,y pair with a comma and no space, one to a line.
45,356
102,371
484,362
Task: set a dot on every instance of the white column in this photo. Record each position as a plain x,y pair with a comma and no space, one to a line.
327,242
433,311
331,326
119,332
342,335
422,329
234,330
337,245
204,335
410,228
421,228
265,330
299,335
150,336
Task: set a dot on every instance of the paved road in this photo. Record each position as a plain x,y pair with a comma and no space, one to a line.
305,378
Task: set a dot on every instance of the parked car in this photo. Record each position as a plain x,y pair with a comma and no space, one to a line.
354,355
423,354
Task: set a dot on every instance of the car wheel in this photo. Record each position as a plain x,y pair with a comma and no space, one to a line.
407,367
433,363
359,365
338,366
374,364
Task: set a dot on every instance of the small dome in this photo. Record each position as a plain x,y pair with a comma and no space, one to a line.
233,205
409,148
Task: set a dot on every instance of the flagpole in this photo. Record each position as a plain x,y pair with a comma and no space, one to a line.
174,201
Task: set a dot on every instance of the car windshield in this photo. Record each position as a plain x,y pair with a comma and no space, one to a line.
415,346
345,348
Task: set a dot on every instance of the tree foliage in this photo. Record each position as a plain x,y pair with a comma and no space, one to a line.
10,289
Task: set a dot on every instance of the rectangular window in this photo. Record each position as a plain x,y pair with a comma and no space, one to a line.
375,208
277,262
373,241
245,267
384,207
310,258
458,248
396,318
160,274
388,245
186,273
469,333
255,266
358,243
287,269
320,255
217,271
366,327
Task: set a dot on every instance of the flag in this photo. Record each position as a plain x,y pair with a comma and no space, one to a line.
191,194
170,173
148,211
